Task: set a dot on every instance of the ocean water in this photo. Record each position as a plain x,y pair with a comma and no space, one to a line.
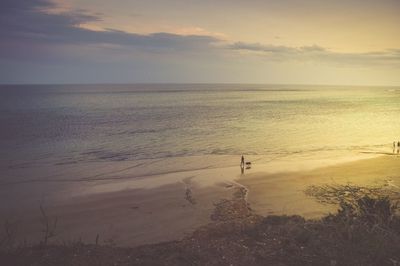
69,125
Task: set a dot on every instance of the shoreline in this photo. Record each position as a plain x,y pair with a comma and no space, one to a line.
133,213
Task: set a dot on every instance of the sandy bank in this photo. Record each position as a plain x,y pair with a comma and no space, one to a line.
283,193
132,212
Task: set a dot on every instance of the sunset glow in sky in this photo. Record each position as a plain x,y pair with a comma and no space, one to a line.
355,42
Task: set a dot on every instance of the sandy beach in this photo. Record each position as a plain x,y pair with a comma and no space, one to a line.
283,193
165,207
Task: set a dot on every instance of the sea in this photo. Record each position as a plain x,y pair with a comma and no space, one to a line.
44,126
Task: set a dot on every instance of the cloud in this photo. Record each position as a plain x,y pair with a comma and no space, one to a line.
34,22
276,49
40,26
318,54
33,18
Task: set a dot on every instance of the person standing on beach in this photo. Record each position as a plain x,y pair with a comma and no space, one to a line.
242,162
398,146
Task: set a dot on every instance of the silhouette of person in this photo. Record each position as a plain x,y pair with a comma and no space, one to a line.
398,146
242,165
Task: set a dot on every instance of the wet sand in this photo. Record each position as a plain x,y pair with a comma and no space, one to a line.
165,207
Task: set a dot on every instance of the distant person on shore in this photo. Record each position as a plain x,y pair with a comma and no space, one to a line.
242,164
398,146
394,146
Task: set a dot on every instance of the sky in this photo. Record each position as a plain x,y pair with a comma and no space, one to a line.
335,42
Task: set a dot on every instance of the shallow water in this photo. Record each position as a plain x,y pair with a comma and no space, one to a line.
72,125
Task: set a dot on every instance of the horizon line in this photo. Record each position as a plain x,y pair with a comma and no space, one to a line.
195,83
